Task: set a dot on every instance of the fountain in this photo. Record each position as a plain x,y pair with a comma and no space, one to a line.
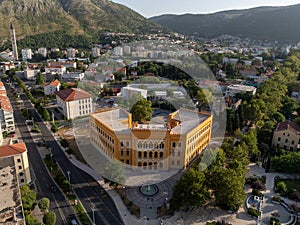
149,189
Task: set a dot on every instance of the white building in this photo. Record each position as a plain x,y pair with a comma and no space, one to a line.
55,69
30,74
26,54
71,52
96,52
232,90
127,50
72,76
6,111
52,87
128,92
42,51
7,54
118,51
74,102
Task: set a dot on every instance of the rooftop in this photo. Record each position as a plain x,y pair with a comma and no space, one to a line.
288,125
72,94
241,87
11,150
116,119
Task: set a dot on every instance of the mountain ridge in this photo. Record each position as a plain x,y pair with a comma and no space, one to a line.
31,17
274,23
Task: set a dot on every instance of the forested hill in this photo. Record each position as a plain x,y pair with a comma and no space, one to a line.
31,17
264,23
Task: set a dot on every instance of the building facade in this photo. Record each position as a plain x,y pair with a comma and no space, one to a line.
26,54
74,102
234,89
52,87
6,112
151,146
286,136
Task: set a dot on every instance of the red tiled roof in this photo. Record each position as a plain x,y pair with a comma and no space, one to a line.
72,94
288,125
1,84
14,149
55,83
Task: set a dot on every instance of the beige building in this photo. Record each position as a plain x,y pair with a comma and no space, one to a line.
16,155
14,172
74,102
172,145
286,136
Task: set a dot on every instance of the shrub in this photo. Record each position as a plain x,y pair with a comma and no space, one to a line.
276,199
256,192
253,212
64,143
258,185
274,221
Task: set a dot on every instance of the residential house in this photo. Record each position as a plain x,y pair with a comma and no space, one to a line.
286,135
74,102
52,87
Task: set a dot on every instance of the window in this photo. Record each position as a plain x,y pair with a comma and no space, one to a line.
173,144
161,154
121,144
22,180
140,154
127,153
286,140
122,153
20,167
127,144
127,162
173,163
179,144
178,154
21,174
178,163
18,160
279,138
145,154
293,142
150,154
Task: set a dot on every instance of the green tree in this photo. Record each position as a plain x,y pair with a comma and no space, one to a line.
28,197
190,190
40,79
229,192
44,204
49,218
142,110
31,220
114,173
46,115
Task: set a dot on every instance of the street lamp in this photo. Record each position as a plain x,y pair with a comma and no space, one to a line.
93,210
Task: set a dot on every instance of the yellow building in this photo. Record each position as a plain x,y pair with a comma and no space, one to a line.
151,146
287,136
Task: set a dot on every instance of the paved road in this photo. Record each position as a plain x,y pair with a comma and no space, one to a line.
64,212
90,193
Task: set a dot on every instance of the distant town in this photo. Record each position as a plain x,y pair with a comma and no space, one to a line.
83,129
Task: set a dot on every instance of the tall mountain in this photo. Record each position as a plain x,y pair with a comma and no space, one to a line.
264,23
75,16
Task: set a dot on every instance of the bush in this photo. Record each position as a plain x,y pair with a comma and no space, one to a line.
276,199
64,143
49,218
274,221
5,134
281,187
258,185
253,212
256,193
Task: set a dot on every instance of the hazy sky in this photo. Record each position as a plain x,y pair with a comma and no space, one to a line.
150,8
